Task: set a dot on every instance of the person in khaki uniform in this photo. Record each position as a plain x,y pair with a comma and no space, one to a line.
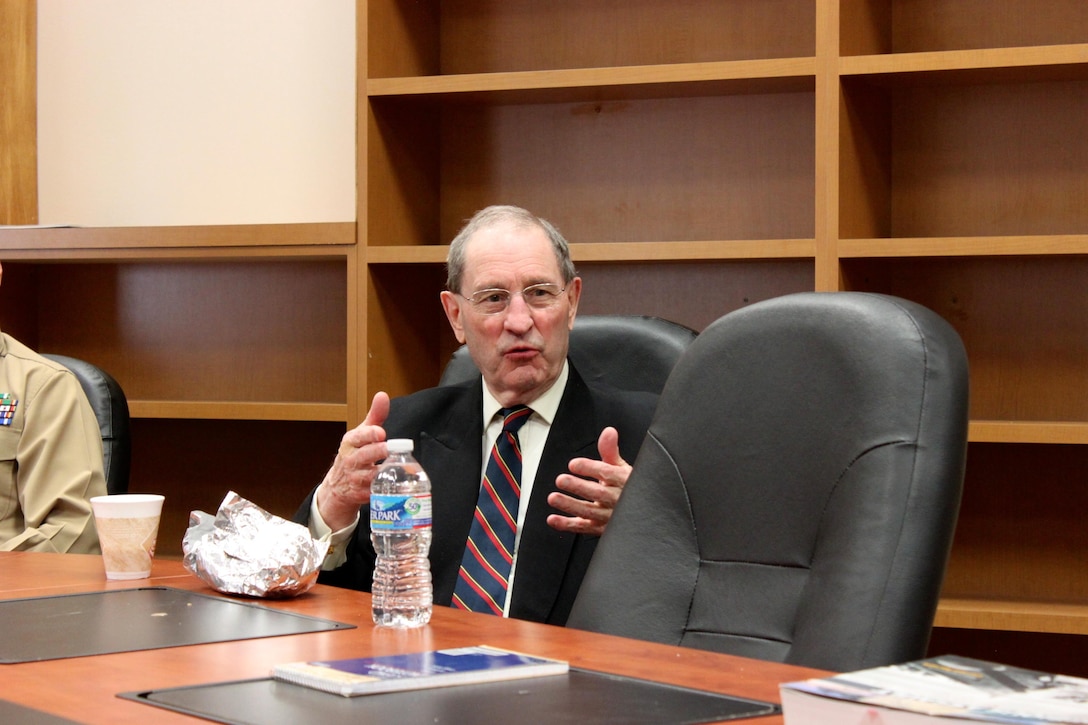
50,455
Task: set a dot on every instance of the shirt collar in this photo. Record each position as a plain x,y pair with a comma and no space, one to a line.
545,406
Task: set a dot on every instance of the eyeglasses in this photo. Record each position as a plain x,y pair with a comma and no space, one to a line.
493,301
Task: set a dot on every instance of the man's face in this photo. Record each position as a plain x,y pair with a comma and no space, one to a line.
520,350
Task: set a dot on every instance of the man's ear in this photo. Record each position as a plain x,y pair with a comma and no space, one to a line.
453,314
574,292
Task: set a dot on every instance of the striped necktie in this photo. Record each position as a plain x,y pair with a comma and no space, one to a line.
489,553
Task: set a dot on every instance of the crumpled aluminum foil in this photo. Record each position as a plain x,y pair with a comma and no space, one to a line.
244,549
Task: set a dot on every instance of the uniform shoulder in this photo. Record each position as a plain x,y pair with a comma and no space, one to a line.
29,362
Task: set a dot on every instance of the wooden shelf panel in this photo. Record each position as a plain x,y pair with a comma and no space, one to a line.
1012,616
195,462
237,410
989,65
428,254
1020,535
800,249
246,239
913,26
430,37
971,160
787,75
1045,432
709,168
264,329
628,251
1026,352
19,124
136,255
1074,244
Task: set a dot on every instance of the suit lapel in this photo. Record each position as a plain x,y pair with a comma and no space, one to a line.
451,449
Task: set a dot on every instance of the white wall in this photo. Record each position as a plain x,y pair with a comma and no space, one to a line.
164,112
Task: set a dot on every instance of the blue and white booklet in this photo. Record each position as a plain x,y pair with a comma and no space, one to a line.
438,668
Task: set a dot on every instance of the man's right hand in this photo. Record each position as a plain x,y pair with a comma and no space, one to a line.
346,487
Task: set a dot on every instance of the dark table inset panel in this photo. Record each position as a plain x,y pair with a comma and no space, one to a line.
10,712
126,620
579,698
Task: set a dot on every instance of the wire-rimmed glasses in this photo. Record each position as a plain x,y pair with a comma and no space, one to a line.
494,301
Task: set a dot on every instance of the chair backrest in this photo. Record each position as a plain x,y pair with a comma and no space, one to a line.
797,492
110,407
631,352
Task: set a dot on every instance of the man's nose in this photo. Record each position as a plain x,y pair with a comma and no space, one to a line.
519,316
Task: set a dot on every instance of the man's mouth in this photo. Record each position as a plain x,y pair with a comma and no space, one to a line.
518,353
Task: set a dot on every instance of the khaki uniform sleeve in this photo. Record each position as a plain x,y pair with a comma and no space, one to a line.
56,468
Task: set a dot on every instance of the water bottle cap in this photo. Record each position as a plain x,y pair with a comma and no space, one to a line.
400,445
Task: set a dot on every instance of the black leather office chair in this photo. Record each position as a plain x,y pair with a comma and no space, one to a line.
796,495
111,408
631,352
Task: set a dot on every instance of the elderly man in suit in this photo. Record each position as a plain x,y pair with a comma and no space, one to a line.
512,296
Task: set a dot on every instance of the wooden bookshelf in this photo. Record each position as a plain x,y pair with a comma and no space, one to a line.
232,345
703,156
700,156
955,191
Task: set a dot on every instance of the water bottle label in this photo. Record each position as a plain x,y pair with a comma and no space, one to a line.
399,513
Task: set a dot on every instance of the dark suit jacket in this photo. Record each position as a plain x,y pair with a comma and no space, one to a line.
446,425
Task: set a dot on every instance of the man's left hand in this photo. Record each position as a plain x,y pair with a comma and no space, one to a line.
595,487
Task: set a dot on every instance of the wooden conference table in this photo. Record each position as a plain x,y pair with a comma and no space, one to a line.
84,689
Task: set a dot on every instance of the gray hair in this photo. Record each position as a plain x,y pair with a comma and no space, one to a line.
494,216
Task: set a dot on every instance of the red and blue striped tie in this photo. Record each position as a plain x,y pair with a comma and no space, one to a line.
485,568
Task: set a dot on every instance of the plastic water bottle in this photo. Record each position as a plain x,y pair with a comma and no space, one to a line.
400,529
